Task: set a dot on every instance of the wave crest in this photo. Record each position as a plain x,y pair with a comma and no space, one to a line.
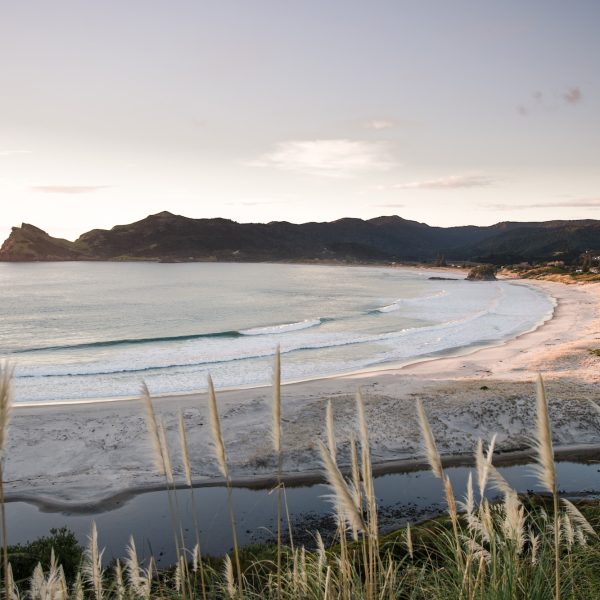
397,304
283,328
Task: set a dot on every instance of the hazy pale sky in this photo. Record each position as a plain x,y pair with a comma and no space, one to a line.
444,112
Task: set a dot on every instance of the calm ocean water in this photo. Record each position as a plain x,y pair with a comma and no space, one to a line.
96,330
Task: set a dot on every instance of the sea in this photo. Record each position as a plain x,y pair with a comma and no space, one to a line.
96,330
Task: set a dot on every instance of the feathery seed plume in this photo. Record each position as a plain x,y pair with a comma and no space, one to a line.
330,431
78,588
409,542
6,374
534,543
93,563
546,469
178,574
120,584
185,451
568,530
355,472
133,567
11,587
162,432
37,581
483,464
152,426
321,553
196,558
431,450
343,496
228,576
578,518
215,425
276,429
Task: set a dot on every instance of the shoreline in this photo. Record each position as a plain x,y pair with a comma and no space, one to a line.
384,367
79,454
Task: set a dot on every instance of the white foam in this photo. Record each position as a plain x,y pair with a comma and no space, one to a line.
398,304
468,313
283,328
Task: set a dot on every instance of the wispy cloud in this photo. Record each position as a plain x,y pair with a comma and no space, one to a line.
379,124
573,96
4,153
445,183
541,101
573,203
67,189
329,158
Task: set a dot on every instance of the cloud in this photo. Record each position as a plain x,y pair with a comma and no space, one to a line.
541,101
329,158
446,183
67,189
573,96
389,205
14,152
574,203
379,124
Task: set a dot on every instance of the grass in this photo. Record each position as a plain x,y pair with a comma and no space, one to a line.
522,547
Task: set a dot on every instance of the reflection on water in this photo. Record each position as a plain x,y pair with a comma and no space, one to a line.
401,497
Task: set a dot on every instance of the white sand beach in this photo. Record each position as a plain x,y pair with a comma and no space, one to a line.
83,453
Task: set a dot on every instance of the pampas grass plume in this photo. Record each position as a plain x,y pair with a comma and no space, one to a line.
152,426
215,426
344,500
93,563
228,576
162,431
483,464
276,429
546,470
577,517
185,451
433,456
331,443
6,374
409,541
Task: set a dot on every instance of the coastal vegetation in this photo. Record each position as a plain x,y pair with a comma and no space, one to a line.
542,547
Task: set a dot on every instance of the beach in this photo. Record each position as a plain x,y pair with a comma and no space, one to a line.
76,454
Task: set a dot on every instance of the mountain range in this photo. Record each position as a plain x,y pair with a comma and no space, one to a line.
174,238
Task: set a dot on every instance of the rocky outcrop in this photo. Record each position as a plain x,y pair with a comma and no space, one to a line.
29,243
482,273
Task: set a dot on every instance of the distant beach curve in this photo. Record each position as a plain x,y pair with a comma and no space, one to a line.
95,330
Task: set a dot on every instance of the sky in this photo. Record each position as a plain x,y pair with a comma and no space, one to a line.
449,113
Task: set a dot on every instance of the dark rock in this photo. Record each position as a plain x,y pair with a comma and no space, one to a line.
482,273
443,279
